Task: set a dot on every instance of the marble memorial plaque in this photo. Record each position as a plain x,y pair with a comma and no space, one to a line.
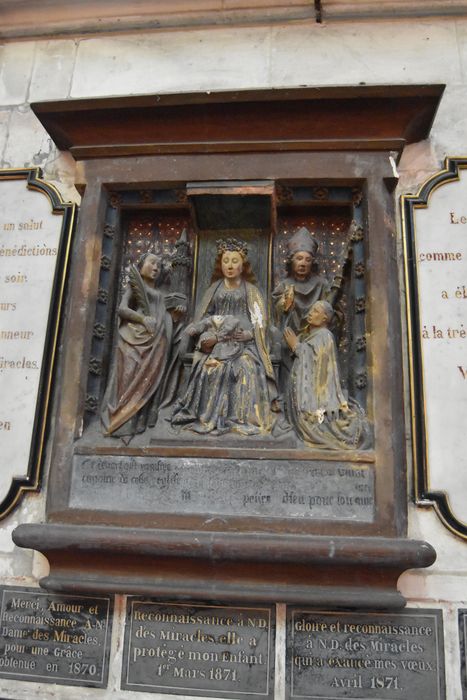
463,650
51,638
34,233
240,487
385,656
435,226
208,650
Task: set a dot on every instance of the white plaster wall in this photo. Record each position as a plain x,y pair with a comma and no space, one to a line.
299,54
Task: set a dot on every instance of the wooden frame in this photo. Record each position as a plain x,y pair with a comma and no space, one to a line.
317,562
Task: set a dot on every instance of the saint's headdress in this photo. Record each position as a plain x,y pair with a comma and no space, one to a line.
232,245
302,242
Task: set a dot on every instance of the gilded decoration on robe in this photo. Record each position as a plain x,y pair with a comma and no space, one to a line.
242,360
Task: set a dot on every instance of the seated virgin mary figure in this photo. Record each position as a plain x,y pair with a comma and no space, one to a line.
231,386
316,404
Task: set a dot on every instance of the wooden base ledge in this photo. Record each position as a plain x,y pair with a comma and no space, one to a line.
322,572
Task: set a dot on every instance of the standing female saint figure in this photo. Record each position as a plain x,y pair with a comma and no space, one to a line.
144,338
233,388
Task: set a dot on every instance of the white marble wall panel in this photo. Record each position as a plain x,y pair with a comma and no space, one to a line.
451,550
461,41
16,62
298,54
449,135
5,115
53,70
28,143
352,53
17,565
443,318
218,59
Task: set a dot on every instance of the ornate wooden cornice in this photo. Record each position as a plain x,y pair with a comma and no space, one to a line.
360,118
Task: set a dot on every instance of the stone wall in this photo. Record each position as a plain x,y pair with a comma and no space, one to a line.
292,55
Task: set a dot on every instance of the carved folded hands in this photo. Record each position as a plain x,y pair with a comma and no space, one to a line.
291,339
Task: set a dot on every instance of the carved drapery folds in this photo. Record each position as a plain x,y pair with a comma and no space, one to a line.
256,507
314,248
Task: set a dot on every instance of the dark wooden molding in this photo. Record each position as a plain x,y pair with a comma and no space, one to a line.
158,554
349,132
362,118
352,572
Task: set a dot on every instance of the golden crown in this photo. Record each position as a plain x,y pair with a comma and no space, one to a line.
231,244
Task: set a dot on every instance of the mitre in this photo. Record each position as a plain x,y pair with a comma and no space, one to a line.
302,241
